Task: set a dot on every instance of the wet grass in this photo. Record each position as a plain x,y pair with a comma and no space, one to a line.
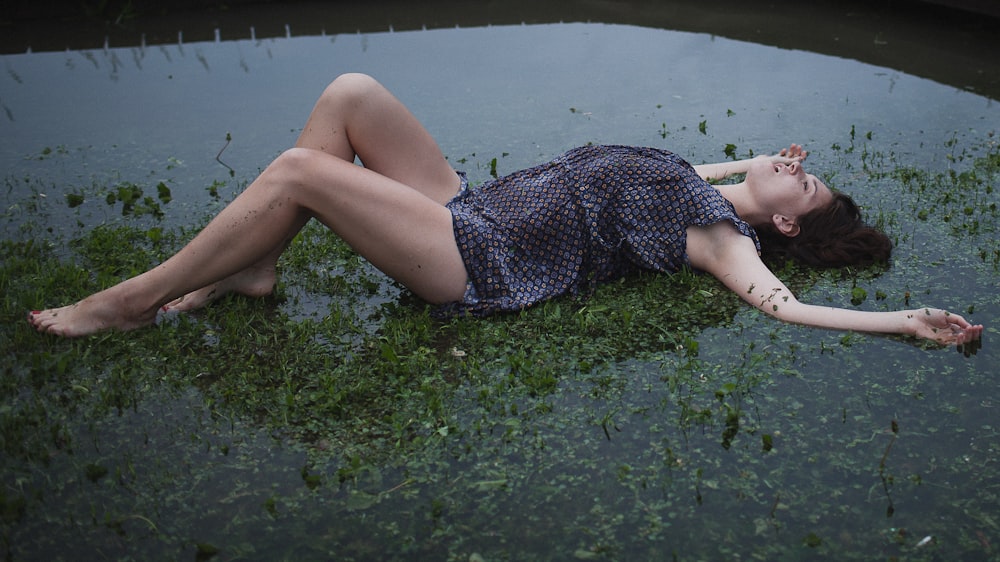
660,419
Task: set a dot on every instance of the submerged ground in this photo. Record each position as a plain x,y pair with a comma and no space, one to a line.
661,419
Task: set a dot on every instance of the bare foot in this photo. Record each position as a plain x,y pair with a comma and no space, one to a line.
106,310
252,282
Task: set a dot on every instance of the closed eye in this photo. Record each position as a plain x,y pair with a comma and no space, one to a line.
811,183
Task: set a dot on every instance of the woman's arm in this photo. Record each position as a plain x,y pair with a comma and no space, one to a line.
723,170
732,258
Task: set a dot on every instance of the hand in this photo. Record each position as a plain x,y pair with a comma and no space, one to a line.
794,152
945,328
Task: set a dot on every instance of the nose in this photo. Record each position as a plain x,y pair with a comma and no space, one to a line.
794,168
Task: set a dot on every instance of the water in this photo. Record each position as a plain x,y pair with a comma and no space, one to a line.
630,461
164,112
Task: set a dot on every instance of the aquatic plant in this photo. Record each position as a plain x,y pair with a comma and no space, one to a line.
660,418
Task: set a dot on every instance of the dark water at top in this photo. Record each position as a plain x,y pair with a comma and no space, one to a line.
163,109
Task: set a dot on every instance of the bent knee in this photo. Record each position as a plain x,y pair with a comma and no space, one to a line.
295,166
351,85
299,166
295,159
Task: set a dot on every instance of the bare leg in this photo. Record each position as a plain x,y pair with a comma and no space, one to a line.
398,229
354,117
403,230
357,116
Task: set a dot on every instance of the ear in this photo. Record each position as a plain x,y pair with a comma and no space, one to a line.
785,225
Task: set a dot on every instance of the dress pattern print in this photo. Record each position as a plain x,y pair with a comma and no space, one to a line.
592,215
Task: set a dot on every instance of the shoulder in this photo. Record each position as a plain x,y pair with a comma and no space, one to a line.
710,246
722,251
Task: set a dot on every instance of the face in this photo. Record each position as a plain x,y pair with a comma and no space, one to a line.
786,189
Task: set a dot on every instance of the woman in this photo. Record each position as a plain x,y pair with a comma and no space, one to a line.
589,216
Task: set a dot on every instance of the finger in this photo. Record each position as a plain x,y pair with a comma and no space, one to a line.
956,328
956,320
968,342
969,347
974,335
962,333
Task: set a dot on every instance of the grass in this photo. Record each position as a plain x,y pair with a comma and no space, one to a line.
658,419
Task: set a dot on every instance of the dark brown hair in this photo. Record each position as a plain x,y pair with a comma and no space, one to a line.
830,236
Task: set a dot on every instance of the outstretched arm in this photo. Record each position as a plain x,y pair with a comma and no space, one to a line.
722,170
732,258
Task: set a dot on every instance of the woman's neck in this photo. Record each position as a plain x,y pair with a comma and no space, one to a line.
744,203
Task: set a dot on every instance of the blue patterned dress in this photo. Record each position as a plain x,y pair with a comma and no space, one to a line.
594,214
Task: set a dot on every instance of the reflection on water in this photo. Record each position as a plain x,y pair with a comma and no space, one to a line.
625,461
163,112
948,46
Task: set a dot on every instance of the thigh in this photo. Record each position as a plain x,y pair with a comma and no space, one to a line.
357,116
400,230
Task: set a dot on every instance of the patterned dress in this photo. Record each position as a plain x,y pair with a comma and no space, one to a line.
594,214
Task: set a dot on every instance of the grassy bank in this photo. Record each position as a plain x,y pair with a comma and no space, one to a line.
339,418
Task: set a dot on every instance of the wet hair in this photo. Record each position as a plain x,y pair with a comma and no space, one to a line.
831,236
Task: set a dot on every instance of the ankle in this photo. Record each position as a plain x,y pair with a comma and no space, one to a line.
132,302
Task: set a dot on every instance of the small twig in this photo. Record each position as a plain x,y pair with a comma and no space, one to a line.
881,469
401,485
218,157
885,455
152,525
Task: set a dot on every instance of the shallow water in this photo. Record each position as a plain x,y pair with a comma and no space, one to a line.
525,93
623,462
